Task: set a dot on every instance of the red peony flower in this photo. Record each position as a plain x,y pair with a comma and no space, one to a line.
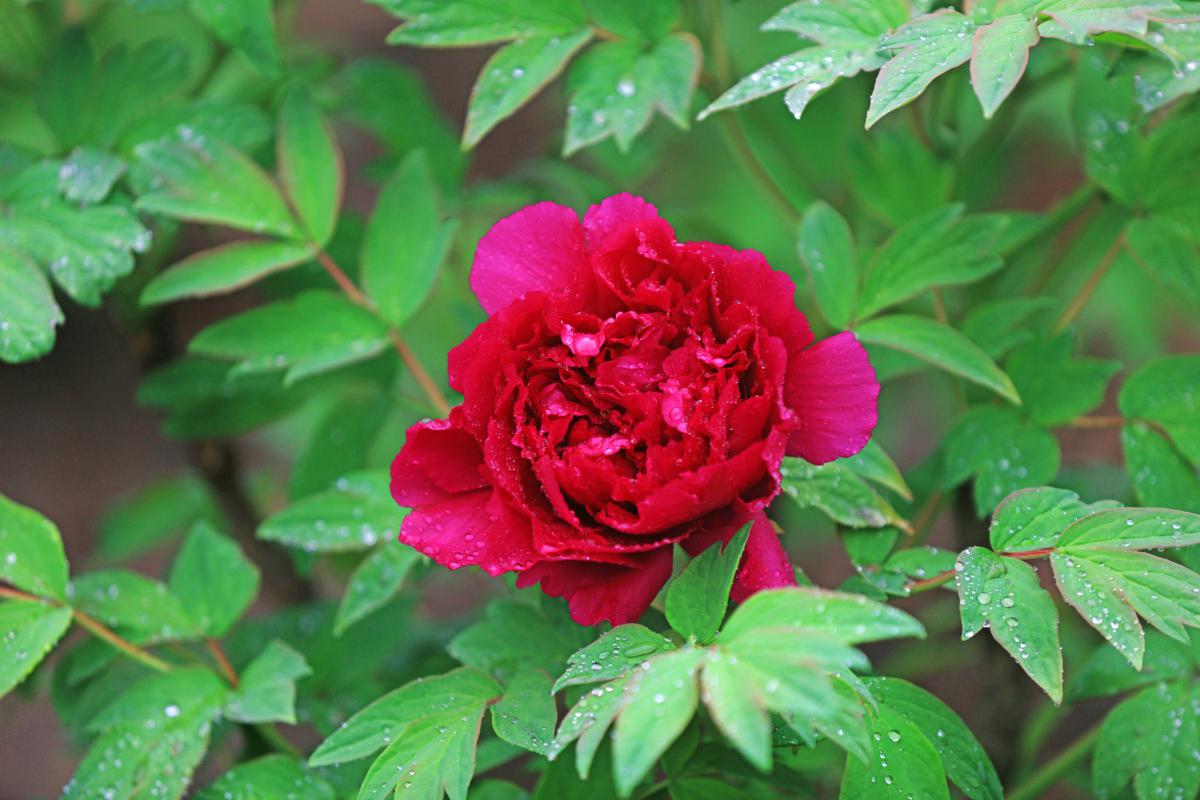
627,393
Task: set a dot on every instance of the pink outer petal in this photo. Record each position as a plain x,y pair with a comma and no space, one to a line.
538,249
438,459
598,592
833,390
472,528
765,564
612,213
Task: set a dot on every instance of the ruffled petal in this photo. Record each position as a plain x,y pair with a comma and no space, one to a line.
538,249
473,528
612,213
833,391
600,592
438,459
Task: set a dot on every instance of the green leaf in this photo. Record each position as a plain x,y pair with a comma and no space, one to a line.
632,19
88,174
310,165
737,707
214,581
838,492
1054,386
697,598
998,326
266,691
1075,21
1160,477
405,242
1002,451
151,738
941,346
588,721
273,777
207,180
941,248
356,514
661,700
1167,251
143,610
999,58
965,761
526,715
164,509
920,562
341,441
926,47
284,336
906,763
247,25
848,618
458,23
381,722
513,75
877,466
223,269
374,582
1167,391
1032,519
1004,595
827,250
516,634
1136,528
1106,672
28,313
1151,739
31,551
28,631
615,87
613,655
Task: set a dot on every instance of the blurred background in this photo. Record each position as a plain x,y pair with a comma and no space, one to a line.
74,441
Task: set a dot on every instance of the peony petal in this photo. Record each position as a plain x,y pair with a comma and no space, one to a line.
765,563
599,592
538,249
471,528
438,459
612,213
833,390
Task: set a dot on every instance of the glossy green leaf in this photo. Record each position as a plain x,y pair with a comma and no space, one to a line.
1002,451
223,269
310,165
28,312
247,25
1075,21
1136,528
207,180
877,466
848,618
374,582
827,250
941,346
273,777
1106,672
266,691
633,19
905,765
613,655
998,326
28,631
1159,475
1004,595
213,579
1167,391
457,23
514,634
941,248
838,492
737,707
697,598
513,75
87,175
142,609
999,58
282,336
964,759
923,49
341,440
355,514
1031,519
381,722
31,551
921,562
405,242
525,715
1055,386
1150,739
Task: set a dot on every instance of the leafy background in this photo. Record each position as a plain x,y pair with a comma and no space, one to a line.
81,442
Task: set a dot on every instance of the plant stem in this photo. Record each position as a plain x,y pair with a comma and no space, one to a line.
97,629
1050,773
428,385
1089,288
916,587
223,664
1097,421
